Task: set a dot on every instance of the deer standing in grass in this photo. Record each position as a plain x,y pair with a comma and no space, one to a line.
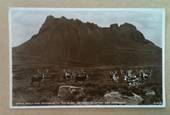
38,77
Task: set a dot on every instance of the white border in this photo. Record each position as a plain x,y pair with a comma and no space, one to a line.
88,106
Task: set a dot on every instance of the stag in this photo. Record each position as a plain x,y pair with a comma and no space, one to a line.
38,77
67,75
80,77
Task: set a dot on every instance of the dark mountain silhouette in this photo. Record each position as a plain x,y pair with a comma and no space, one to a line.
72,42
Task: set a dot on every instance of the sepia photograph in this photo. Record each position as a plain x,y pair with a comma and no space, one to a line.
87,57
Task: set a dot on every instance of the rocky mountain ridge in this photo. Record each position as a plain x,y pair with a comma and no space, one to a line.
73,42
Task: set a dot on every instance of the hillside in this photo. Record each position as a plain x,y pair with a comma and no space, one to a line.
75,43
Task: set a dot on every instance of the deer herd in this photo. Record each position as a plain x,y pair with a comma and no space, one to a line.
39,76
75,76
133,77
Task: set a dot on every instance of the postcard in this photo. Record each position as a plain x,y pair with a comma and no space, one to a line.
87,57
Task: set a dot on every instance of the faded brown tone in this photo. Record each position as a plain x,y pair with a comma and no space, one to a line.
4,43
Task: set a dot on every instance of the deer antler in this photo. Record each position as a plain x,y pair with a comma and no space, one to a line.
47,70
38,71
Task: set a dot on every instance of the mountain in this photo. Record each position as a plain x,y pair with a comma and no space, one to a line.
63,41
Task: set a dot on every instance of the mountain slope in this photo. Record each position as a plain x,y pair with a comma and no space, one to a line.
72,42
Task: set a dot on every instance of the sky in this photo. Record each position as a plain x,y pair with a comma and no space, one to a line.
26,22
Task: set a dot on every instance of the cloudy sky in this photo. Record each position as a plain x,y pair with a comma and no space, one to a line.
25,22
